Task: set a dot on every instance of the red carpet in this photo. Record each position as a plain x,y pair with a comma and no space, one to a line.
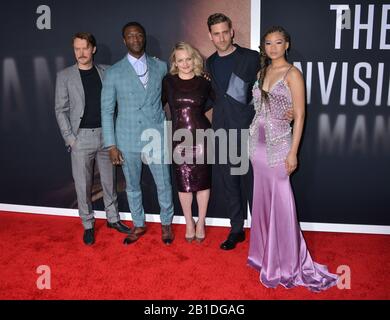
150,270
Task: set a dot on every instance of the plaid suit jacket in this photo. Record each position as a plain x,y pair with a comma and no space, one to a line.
138,108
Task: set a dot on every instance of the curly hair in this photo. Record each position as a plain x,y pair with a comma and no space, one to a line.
265,61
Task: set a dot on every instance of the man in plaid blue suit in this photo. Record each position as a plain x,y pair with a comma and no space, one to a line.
134,85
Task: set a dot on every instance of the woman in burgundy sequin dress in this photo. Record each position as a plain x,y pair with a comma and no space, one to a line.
189,95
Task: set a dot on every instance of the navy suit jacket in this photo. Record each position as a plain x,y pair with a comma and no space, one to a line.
233,108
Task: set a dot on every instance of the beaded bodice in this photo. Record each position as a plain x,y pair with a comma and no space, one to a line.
277,128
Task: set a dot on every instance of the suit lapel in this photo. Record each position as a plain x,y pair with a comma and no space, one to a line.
212,71
152,74
240,61
100,72
133,76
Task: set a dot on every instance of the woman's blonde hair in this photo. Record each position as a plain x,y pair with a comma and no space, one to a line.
194,53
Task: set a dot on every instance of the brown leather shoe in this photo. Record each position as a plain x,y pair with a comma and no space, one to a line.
139,231
134,235
167,234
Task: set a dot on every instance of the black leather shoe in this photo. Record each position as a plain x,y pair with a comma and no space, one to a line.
119,226
232,240
89,236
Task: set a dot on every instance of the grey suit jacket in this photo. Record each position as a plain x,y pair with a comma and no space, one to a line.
70,101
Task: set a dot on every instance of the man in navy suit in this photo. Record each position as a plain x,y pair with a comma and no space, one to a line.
233,71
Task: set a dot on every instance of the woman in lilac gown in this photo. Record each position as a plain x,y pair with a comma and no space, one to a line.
277,247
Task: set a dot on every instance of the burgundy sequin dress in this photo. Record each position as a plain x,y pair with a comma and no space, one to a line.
187,101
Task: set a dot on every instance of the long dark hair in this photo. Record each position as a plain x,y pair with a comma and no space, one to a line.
264,60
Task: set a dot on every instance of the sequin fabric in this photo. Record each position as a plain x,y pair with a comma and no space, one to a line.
277,128
187,101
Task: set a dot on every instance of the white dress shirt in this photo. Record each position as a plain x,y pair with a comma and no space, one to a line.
140,67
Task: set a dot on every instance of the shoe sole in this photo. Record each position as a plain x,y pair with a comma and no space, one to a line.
126,243
167,242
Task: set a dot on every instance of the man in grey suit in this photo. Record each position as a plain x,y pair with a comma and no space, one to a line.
77,108
134,85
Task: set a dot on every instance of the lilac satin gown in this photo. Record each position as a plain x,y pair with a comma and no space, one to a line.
277,248
187,101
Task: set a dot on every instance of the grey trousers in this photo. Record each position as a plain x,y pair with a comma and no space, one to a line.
87,149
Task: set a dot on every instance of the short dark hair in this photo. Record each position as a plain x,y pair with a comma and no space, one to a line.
218,18
133,24
86,36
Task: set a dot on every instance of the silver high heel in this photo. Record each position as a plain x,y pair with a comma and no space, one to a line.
190,239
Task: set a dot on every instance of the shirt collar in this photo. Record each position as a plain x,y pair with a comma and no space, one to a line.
134,60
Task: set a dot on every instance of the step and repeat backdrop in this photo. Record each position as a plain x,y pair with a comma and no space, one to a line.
342,49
